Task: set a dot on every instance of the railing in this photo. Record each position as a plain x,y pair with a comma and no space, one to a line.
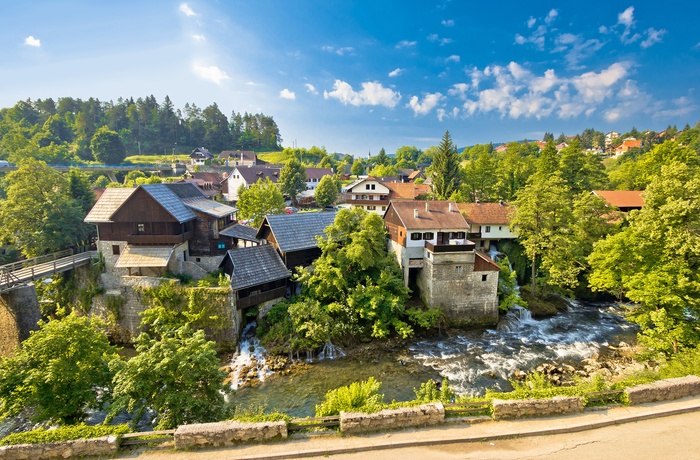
450,247
159,239
255,299
476,235
36,260
15,274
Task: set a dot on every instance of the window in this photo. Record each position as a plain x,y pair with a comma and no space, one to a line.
428,235
140,228
481,243
458,269
373,185
221,245
415,236
484,277
500,228
366,186
383,208
488,229
457,235
371,208
115,249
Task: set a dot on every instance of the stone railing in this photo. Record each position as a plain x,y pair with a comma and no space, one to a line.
227,433
664,390
520,408
105,445
425,414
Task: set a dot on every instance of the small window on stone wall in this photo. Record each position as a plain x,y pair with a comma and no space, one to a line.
484,277
115,249
458,269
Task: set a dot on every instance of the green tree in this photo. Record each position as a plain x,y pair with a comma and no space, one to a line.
382,157
383,171
60,371
261,199
508,292
178,377
357,167
480,178
292,179
444,172
327,191
107,147
582,171
39,214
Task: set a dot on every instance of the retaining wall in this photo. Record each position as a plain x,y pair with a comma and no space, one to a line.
520,408
664,390
19,315
425,414
105,445
227,433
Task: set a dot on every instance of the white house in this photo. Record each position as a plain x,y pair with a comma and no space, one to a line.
488,222
369,194
247,176
314,176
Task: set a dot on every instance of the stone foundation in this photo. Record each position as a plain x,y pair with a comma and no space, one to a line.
227,433
19,315
425,414
664,390
106,445
521,408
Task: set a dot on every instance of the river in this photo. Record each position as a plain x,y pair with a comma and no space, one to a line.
472,361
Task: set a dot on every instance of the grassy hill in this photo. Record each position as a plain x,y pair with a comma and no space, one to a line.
273,158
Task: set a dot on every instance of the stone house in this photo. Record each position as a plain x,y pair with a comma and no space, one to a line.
429,239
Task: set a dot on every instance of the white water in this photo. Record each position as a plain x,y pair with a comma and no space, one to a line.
251,353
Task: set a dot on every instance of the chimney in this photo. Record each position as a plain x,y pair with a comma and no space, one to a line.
478,201
501,202
427,206
452,207
415,214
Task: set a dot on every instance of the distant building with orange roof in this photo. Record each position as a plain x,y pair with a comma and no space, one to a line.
624,200
627,144
488,222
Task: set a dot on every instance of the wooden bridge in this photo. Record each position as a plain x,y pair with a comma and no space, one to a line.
19,273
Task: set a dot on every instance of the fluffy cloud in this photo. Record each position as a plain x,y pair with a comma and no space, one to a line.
453,58
653,36
448,22
199,37
458,90
435,38
372,93
211,73
396,72
345,50
405,44
311,89
186,10
626,20
286,94
551,16
31,41
531,22
430,100
575,48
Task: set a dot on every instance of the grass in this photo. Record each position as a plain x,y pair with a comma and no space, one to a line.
152,159
274,158
63,433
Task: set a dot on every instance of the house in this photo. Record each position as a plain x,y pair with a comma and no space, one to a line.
629,143
239,157
314,176
207,188
294,235
561,146
501,148
241,235
247,176
258,276
409,175
610,138
370,194
624,200
429,240
154,228
200,156
488,222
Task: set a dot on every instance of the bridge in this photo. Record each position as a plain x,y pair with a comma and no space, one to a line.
19,273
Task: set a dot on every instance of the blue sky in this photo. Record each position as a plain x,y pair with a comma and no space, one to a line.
355,76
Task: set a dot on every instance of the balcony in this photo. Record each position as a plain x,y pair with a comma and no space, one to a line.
159,239
256,299
475,235
450,247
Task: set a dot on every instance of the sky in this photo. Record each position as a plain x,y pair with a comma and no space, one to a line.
357,76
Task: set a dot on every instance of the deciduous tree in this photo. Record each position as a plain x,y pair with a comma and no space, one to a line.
292,179
327,191
107,147
260,199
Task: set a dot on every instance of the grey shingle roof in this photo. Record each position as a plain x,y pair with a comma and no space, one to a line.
170,201
109,202
251,174
294,232
242,232
256,265
210,207
185,190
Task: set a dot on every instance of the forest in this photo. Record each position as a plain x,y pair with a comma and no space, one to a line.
63,131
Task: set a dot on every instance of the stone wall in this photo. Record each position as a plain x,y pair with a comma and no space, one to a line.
425,414
19,315
106,445
664,390
521,408
227,433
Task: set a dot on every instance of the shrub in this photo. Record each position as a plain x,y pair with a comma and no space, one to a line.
358,397
430,391
63,433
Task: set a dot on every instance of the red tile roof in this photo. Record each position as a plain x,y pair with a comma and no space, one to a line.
438,216
486,213
406,190
622,198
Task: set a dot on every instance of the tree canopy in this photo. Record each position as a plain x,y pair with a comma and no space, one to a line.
444,172
327,191
292,179
260,199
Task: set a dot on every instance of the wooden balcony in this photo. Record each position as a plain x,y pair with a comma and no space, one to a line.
159,239
450,247
256,299
475,235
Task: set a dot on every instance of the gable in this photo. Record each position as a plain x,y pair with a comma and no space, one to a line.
362,187
142,207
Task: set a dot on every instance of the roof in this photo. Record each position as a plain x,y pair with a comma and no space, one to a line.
185,190
242,232
486,213
139,256
107,204
416,173
318,173
165,196
248,155
298,231
483,263
207,188
256,265
212,177
407,190
210,207
622,198
251,174
438,215
201,152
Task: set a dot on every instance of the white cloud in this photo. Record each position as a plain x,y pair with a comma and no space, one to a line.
458,90
372,93
396,72
531,22
430,100
252,83
653,36
346,50
436,38
595,87
536,37
405,44
31,41
448,22
211,73
575,48
311,89
551,16
286,94
603,29
199,37
440,114
453,58
186,10
626,18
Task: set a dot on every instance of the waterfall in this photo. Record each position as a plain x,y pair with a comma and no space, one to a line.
331,351
249,362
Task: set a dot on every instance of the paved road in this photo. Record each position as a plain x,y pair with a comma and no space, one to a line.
640,433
